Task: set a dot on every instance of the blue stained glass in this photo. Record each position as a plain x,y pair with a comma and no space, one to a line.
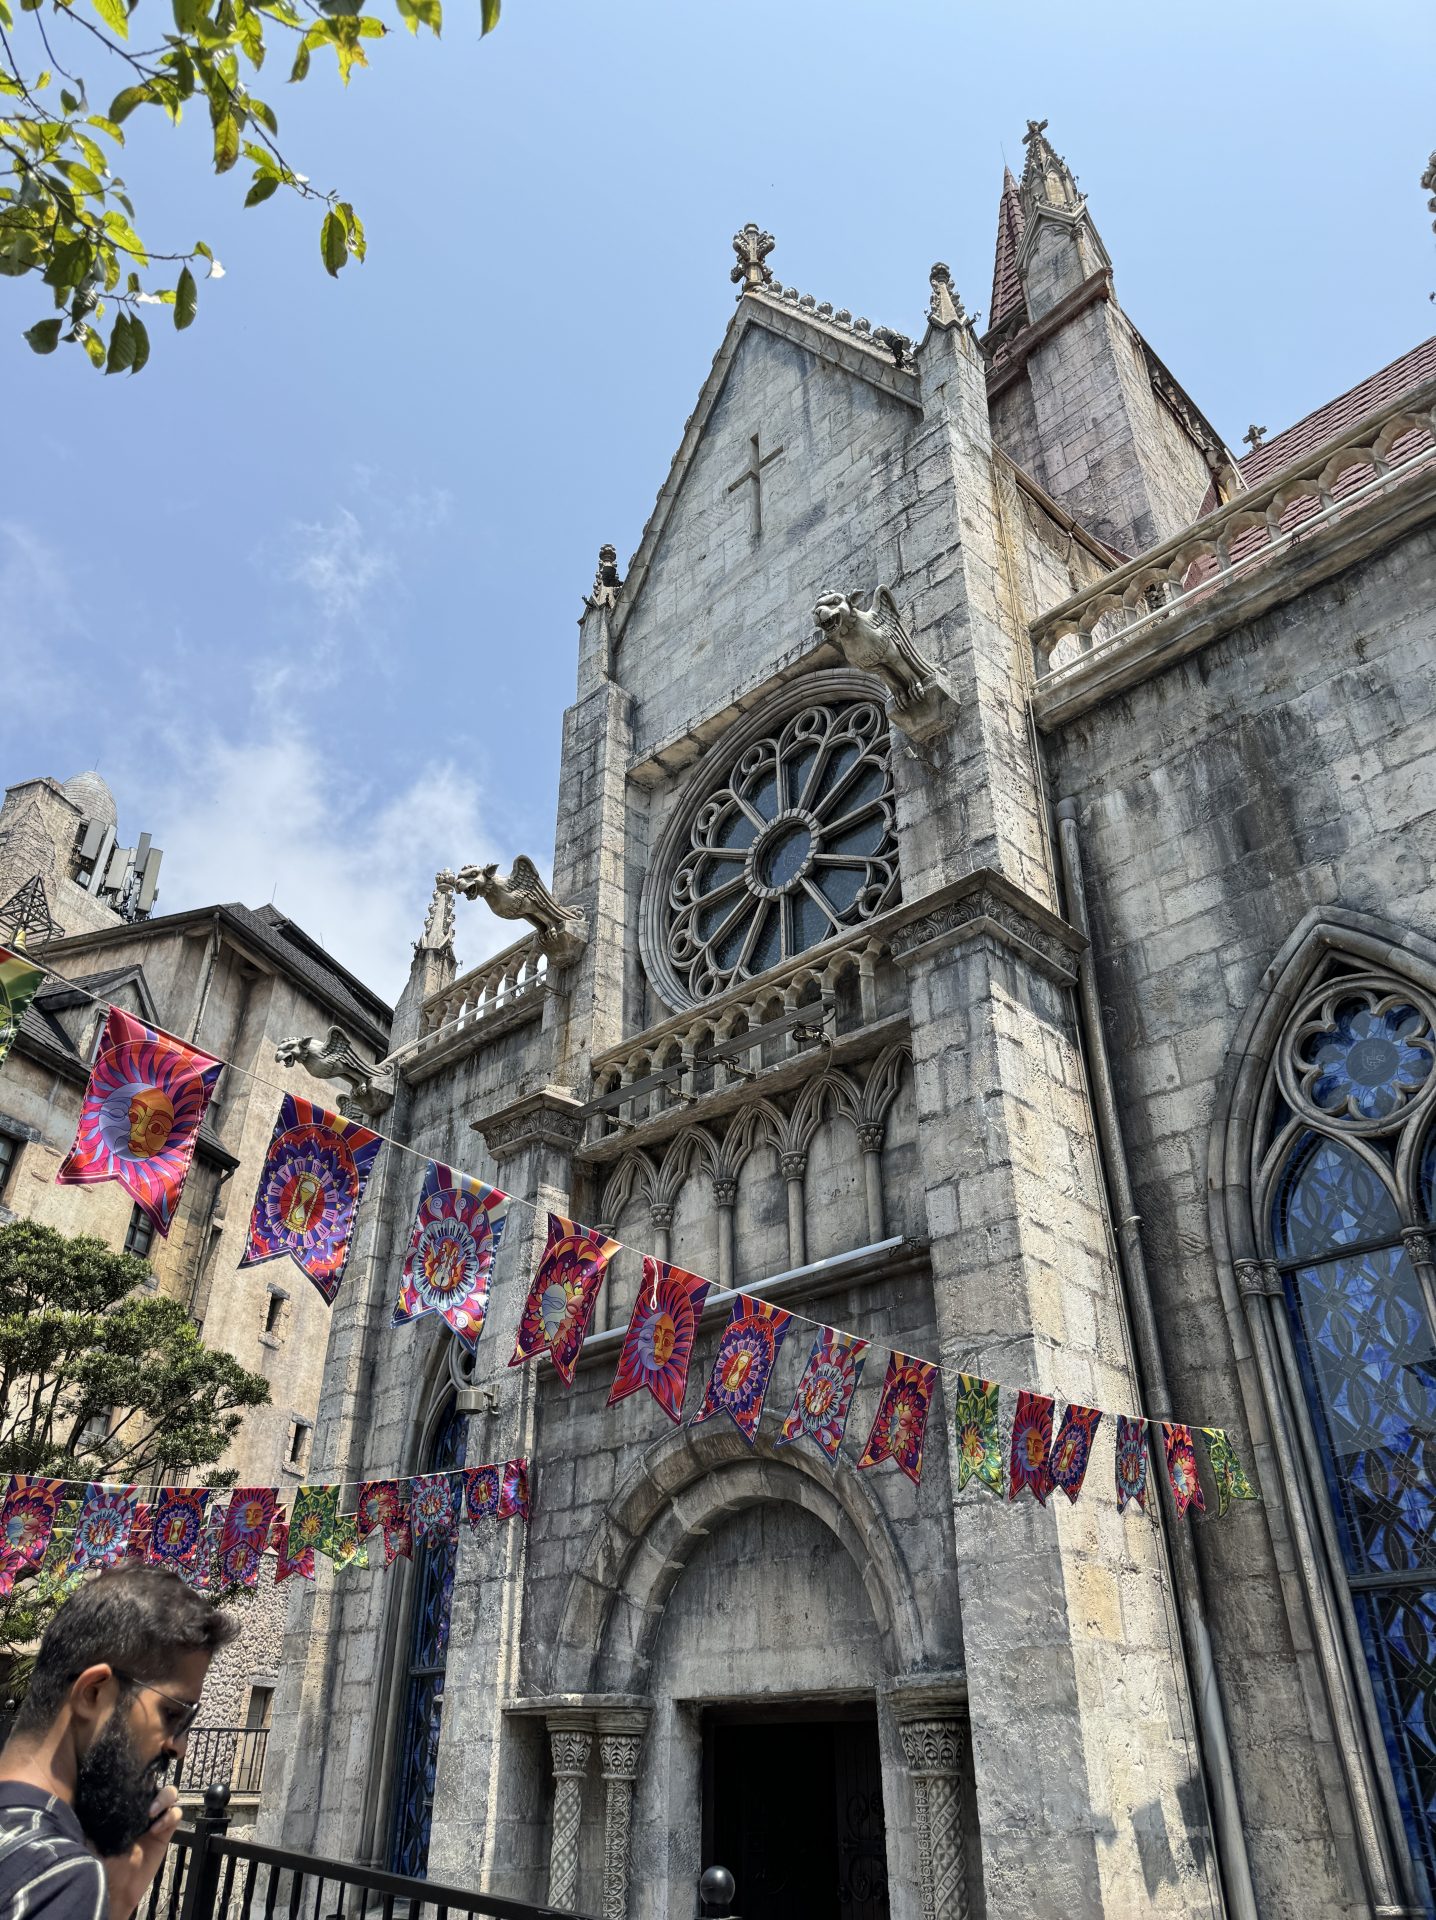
417,1758
1368,1359
1370,1061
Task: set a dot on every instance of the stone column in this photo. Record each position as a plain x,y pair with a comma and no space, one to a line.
725,1195
570,1744
620,1743
870,1139
662,1217
932,1747
795,1165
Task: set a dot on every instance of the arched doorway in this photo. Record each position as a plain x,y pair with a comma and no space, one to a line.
417,1752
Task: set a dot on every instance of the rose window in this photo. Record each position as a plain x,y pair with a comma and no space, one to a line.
794,847
1362,1056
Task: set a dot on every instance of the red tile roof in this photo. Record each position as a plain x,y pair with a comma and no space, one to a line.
1007,295
1347,410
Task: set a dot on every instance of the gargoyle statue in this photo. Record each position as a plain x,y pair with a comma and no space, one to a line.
523,896
371,1088
875,639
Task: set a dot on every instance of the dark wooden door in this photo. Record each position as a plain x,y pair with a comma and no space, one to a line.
795,1813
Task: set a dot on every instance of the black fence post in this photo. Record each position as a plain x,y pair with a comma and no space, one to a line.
201,1882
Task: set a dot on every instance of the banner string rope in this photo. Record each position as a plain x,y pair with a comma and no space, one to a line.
944,1371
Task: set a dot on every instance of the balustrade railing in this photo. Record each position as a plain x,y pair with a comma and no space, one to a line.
1244,534
494,987
223,1757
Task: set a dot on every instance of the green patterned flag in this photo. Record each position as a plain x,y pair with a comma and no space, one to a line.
18,981
312,1520
979,1444
344,1547
1227,1471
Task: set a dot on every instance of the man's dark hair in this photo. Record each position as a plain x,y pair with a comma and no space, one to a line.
134,1618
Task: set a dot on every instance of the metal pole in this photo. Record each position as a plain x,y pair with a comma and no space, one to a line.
1230,1834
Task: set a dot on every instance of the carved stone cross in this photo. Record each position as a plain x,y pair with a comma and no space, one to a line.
1035,128
757,460
1254,436
752,247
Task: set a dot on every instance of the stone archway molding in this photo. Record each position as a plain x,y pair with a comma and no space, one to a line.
686,1485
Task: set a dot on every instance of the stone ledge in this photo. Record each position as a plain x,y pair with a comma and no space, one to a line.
552,1117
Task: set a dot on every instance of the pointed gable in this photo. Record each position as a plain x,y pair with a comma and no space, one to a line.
1007,296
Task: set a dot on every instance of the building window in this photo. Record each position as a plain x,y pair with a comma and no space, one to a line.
1347,1198
140,1233
300,1434
276,1316
784,844
9,1154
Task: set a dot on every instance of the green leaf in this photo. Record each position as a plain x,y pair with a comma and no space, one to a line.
92,151
333,244
69,263
140,335
121,356
489,17
107,126
186,299
353,229
264,185
94,346
188,14
86,181
115,17
44,336
123,235
301,62
125,102
68,101
226,143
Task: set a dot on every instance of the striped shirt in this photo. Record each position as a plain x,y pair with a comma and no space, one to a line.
46,1870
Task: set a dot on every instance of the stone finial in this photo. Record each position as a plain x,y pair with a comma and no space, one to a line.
439,922
945,308
752,247
1047,180
606,583
1254,436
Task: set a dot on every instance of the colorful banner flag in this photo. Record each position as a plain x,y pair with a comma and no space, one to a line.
458,1225
1072,1449
978,1437
103,1529
177,1526
1182,1467
1131,1462
481,1493
57,1575
138,1552
141,1115
561,1300
312,1520
900,1423
434,1507
659,1343
310,1187
18,982
27,1520
824,1398
345,1548
514,1491
1028,1464
1227,1470
383,1507
744,1364
301,1567
245,1535
205,1573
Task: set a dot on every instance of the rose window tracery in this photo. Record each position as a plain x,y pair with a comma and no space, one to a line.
795,845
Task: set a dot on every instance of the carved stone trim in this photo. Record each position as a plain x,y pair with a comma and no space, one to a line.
570,1744
794,1165
725,1192
1417,1243
1258,1277
551,1118
933,1749
985,911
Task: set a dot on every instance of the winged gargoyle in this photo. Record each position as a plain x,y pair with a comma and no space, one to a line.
371,1087
875,639
523,896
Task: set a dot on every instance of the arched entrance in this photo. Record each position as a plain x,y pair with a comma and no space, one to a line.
417,1754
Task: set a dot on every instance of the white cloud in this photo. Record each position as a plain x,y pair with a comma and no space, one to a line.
40,625
272,815
339,563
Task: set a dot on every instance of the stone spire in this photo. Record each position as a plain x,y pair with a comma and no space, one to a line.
606,583
438,934
945,309
1007,297
1047,180
434,967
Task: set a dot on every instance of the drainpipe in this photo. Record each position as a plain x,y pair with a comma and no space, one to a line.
1230,1835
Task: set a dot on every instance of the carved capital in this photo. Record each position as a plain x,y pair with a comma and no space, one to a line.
551,1118
618,1755
1250,1279
569,1749
661,1213
983,907
1417,1243
870,1136
932,1748
725,1192
794,1165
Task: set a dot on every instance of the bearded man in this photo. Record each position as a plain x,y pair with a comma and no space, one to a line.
85,1811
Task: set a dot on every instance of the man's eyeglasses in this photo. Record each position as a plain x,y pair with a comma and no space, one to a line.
180,1715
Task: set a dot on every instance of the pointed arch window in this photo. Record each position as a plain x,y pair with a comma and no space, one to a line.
423,1703
1345,1185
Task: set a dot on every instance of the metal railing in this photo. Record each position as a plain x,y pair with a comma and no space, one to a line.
209,1876
230,1757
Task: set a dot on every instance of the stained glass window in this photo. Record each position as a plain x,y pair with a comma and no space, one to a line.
417,1758
1364,1343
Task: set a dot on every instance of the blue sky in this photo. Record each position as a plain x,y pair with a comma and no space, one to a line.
306,588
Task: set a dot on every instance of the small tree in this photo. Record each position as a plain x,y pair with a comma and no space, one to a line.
101,1381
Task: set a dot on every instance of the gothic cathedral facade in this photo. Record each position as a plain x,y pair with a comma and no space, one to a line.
1003,826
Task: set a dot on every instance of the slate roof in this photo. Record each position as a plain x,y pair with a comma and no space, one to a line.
1347,410
1007,297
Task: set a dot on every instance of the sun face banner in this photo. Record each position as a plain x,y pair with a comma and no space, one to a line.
18,981
103,1529
659,1343
27,1519
825,1393
310,1186
141,1115
563,1295
900,1423
248,1520
1028,1462
1131,1462
458,1225
1072,1449
744,1364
